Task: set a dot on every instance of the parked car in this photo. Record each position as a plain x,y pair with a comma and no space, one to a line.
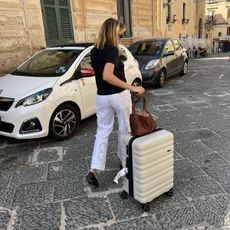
53,91
159,59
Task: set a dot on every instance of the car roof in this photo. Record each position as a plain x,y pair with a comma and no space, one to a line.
74,45
154,39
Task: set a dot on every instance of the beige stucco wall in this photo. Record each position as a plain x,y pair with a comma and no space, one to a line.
88,17
194,11
21,31
221,20
142,19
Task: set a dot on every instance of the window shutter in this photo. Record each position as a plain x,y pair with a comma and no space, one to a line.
51,25
66,26
57,21
127,18
124,15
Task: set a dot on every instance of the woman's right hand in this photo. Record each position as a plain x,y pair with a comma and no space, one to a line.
137,89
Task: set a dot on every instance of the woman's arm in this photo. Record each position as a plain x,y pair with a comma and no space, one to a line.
109,77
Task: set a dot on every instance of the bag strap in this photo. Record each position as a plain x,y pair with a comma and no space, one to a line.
144,104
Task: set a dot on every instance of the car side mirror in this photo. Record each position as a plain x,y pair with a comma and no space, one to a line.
123,57
86,72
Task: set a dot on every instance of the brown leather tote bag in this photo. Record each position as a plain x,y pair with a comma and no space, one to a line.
141,122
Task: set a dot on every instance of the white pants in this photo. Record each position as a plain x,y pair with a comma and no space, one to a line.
107,106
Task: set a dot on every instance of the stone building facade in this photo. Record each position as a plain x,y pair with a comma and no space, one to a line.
27,26
217,24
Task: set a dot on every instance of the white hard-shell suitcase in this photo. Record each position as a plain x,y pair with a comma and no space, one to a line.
149,164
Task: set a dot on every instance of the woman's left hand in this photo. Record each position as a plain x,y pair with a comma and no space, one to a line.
137,89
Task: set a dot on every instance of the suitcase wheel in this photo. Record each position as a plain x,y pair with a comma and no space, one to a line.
124,195
169,193
145,207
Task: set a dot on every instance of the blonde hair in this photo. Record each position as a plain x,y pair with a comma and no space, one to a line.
109,32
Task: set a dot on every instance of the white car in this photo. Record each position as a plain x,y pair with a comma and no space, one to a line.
53,91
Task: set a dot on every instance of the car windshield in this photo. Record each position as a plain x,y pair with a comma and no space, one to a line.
146,48
49,62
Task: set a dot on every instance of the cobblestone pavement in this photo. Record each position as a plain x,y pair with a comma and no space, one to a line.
42,182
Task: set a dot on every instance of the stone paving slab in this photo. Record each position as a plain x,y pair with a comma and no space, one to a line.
87,211
43,185
215,209
37,193
39,217
4,219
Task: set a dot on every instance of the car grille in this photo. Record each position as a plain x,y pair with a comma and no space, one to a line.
5,103
6,127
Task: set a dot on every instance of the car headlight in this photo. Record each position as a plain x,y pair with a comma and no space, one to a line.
151,64
35,98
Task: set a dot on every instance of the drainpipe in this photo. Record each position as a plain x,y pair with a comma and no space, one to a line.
158,11
161,18
25,19
84,18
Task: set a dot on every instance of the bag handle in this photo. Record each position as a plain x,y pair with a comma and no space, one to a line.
144,104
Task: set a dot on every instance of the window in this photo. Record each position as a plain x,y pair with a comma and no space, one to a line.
219,34
57,21
228,30
86,62
168,47
50,62
211,15
184,11
123,54
200,28
228,13
170,17
146,48
124,15
212,1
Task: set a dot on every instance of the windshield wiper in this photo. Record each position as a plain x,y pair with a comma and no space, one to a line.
17,72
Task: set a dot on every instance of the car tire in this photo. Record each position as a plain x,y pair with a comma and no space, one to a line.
64,122
161,79
185,69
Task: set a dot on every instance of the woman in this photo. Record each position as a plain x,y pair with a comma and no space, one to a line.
113,95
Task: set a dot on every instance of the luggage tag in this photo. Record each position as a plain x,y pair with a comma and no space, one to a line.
121,173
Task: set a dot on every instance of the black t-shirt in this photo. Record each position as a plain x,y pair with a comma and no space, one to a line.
99,57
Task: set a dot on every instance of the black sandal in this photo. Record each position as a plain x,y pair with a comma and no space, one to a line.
92,180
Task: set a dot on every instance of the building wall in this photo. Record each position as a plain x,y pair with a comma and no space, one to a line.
194,11
219,24
142,19
88,17
21,31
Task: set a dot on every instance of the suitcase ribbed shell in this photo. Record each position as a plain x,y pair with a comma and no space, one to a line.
152,165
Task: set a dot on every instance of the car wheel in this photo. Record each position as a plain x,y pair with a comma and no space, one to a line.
161,79
185,68
63,122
